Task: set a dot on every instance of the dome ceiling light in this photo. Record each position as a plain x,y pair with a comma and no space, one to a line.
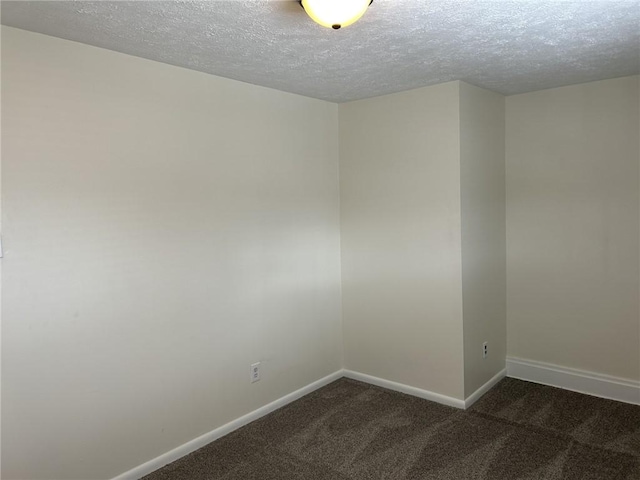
335,13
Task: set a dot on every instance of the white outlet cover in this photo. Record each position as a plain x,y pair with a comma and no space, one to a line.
255,372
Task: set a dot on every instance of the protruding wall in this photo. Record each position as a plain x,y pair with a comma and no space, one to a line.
482,188
400,224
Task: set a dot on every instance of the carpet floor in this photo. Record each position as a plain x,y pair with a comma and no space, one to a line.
350,430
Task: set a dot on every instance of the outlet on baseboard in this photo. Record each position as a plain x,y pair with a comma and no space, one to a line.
485,349
255,372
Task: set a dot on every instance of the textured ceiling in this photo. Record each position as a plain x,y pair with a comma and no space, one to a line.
508,46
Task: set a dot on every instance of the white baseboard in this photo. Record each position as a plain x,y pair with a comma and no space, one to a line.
604,386
399,387
595,384
475,396
193,445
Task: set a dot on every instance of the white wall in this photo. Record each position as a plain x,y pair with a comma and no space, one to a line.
163,230
482,188
572,227
400,224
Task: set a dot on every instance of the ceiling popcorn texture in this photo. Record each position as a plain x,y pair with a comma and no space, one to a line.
508,46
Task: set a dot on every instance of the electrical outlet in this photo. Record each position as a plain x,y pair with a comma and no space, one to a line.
485,349
255,372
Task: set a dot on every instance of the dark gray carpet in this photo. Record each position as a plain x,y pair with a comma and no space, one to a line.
351,430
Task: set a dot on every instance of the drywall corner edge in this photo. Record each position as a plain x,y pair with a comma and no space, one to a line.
475,396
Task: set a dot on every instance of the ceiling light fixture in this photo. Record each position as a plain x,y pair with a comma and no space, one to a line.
335,13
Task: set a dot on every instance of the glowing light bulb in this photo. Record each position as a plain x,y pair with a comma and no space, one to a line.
335,13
